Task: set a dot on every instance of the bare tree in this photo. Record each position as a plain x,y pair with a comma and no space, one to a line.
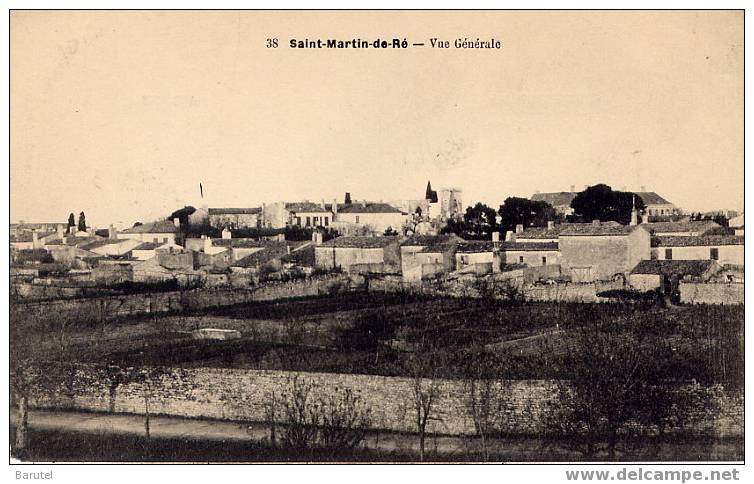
424,365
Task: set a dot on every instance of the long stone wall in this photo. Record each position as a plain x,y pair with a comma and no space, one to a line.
586,292
711,293
244,394
111,307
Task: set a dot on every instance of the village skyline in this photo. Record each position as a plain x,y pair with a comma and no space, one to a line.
103,122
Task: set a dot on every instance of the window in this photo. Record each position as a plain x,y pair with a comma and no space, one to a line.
154,240
714,254
653,255
164,240
669,254
544,260
298,221
308,221
464,259
327,219
316,220
520,259
357,219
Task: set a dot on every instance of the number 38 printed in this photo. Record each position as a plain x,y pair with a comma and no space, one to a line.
272,43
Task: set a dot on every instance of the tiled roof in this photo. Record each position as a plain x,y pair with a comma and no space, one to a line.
360,242
159,227
26,236
304,257
555,198
488,245
674,267
529,246
553,233
369,207
696,240
234,211
475,246
598,229
651,198
146,246
699,226
274,251
242,243
306,207
101,243
430,240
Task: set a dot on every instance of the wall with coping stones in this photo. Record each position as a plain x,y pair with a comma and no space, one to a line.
711,293
586,292
243,394
110,307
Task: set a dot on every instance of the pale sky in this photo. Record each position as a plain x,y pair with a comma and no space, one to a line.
122,114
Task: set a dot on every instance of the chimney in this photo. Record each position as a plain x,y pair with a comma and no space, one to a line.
510,236
347,200
334,206
519,228
34,239
111,232
573,188
323,204
550,225
364,204
495,236
61,232
634,217
207,244
596,221
317,238
177,222
226,234
287,249
643,188
536,191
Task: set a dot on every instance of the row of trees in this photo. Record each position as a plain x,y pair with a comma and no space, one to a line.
598,202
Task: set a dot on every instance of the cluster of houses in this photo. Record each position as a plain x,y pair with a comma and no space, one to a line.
643,255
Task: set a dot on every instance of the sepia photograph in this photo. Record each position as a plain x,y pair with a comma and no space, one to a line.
377,236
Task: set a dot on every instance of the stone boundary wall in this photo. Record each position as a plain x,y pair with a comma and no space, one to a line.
564,292
111,307
711,293
233,394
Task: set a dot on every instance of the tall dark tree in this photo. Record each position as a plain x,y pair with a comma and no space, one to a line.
478,223
82,222
528,213
600,202
71,223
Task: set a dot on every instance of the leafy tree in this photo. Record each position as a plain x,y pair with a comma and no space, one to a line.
390,231
516,210
601,202
71,223
614,377
182,214
478,223
82,222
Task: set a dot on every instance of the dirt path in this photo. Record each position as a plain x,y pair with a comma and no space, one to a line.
451,447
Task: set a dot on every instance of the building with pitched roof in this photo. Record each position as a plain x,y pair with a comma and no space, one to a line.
725,249
656,206
428,255
161,231
359,254
601,251
666,274
375,217
681,228
560,201
234,218
310,214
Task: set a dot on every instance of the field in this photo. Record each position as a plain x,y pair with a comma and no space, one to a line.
379,334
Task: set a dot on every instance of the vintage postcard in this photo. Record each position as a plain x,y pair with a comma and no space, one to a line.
377,236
